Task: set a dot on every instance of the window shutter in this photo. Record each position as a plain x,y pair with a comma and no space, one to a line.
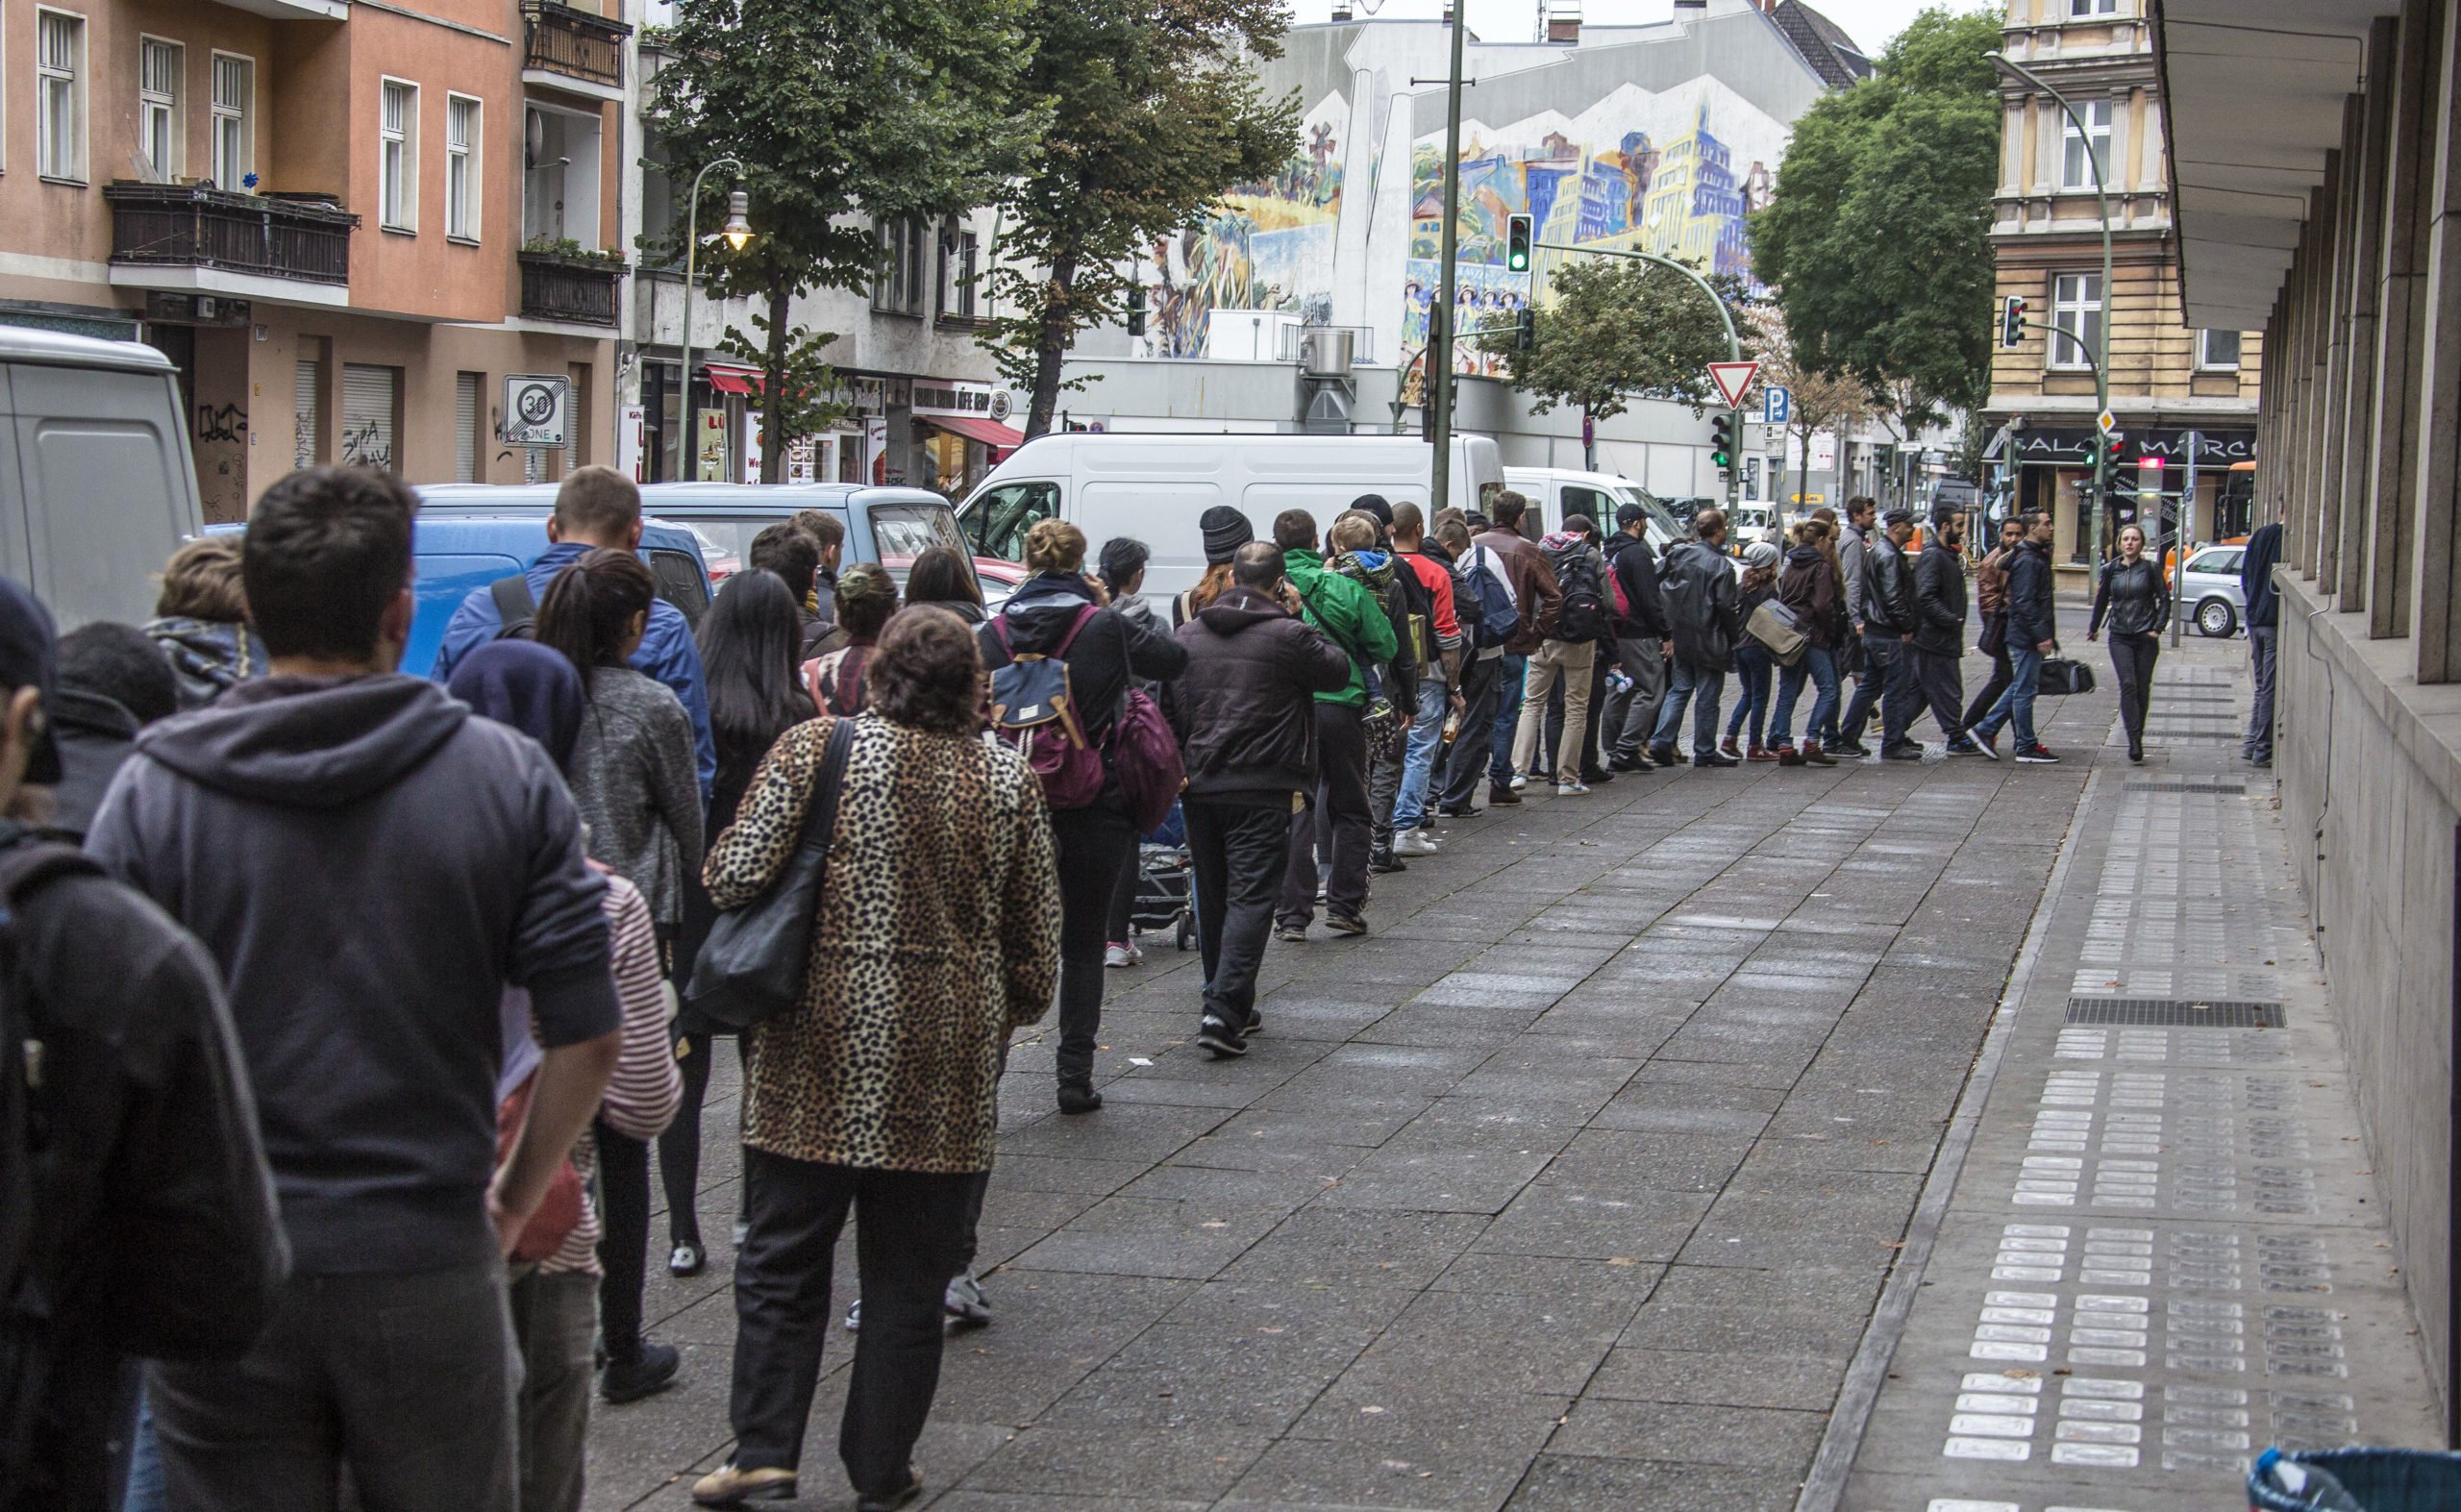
371,398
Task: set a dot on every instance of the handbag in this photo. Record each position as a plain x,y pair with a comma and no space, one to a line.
1146,762
2062,676
752,967
1775,626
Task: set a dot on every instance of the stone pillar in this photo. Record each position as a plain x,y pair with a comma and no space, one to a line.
2435,383
2332,383
2396,562
2367,242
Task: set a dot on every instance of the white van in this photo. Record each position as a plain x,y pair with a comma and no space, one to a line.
97,485
1154,489
1556,494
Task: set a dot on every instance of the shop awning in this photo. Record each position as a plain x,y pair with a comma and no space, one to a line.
733,380
990,432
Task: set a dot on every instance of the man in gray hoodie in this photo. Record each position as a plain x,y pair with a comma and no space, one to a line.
369,864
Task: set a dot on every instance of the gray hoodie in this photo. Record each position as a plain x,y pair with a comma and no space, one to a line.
369,863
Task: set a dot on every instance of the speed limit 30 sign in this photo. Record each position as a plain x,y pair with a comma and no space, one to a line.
534,408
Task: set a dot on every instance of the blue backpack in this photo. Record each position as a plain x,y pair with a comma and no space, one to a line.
1497,618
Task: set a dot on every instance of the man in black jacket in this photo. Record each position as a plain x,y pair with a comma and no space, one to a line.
1245,712
2032,635
1939,631
2264,617
1889,618
1705,616
1641,637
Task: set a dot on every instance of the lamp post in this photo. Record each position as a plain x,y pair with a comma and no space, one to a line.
737,231
1436,394
2101,368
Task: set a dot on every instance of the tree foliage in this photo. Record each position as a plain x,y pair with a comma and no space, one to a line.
840,111
1816,401
1620,329
1155,112
1878,238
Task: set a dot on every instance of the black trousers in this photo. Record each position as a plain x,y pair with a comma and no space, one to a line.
1240,854
2132,659
623,1252
1465,766
1888,681
1094,844
909,1235
1993,636
1123,901
1939,685
1341,792
679,1149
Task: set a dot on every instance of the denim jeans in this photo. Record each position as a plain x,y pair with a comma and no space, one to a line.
2017,705
1711,686
1821,668
1508,717
1752,666
1418,755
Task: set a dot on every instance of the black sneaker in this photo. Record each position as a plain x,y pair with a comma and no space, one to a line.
1497,793
1635,762
1383,862
1255,1025
1218,1037
644,1374
1903,751
1080,1096
1964,745
891,1501
1597,776
1290,934
1714,759
1345,922
2036,754
1849,748
1985,746
1664,755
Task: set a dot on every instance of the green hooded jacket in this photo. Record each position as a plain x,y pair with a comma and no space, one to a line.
1346,612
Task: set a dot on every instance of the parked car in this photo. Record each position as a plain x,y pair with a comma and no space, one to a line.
2208,590
97,485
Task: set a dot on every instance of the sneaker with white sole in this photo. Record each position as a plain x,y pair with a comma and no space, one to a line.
964,1304
1115,955
2036,754
1520,781
1570,789
1408,843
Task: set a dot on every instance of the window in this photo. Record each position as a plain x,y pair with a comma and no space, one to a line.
2092,6
461,168
398,170
2076,308
997,521
898,286
2077,170
959,265
59,78
235,144
2218,351
159,67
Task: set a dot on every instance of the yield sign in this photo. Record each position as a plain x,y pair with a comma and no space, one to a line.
1732,378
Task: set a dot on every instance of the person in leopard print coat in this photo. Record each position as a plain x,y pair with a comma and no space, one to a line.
937,936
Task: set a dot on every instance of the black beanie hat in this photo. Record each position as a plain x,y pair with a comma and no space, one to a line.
1226,530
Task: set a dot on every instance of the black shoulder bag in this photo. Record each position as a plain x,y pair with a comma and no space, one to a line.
752,967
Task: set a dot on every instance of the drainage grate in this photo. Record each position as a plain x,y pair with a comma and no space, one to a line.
2176,1014
2188,784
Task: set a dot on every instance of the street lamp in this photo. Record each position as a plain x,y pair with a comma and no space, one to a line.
737,231
2103,367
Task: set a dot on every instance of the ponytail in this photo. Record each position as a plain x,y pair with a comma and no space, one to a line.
588,608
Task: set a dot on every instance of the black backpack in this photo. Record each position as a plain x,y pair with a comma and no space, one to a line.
1583,614
516,606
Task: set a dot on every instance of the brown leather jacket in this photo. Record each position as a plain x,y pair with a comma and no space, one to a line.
1991,583
1534,588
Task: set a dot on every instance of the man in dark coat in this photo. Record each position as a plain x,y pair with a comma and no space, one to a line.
2032,633
1705,616
1888,619
2264,618
1641,636
1939,631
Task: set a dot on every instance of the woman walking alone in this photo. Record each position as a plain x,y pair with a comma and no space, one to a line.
936,935
2132,601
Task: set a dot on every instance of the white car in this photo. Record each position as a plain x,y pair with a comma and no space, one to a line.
1750,523
2208,590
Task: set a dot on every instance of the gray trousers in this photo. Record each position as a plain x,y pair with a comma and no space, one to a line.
1631,712
409,1382
2263,641
555,1318
1383,791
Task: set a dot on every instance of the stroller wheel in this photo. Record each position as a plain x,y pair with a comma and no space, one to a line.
1185,936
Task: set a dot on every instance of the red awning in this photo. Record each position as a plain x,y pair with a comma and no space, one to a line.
733,380
990,432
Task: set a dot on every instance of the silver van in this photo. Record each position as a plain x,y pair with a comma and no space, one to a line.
97,485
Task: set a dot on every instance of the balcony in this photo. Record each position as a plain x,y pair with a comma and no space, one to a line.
282,249
565,48
569,289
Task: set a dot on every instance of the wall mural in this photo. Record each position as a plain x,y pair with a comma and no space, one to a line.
1269,246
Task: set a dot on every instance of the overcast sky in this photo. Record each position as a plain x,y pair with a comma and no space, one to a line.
1869,22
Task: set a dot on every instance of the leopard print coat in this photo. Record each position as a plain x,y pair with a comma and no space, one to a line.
938,933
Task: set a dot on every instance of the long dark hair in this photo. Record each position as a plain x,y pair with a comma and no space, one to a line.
751,643
590,608
939,576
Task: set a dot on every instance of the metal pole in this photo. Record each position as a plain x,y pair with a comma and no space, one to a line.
2179,532
1440,333
2102,369
691,253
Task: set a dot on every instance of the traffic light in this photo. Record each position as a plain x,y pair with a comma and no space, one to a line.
2012,321
1516,243
1524,333
2116,445
1722,440
1136,309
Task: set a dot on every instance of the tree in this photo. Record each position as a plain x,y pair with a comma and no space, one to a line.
1155,113
1816,402
843,113
1879,236
1617,330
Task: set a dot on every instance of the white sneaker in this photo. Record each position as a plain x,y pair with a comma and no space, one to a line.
1428,837
1408,843
1135,953
1115,955
1570,789
1520,781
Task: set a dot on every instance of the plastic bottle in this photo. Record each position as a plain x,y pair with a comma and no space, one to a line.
2313,1487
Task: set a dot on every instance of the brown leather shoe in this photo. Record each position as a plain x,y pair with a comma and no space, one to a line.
1816,757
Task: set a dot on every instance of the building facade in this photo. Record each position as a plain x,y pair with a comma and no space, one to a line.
349,225
2184,398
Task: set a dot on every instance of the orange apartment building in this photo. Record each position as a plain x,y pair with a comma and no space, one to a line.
347,223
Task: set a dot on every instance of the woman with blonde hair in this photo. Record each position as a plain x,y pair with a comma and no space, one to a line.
1061,614
201,621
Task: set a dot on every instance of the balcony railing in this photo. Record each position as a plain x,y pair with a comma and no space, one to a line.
556,287
576,43
174,225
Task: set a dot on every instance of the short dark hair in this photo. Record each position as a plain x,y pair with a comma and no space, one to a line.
1123,557
1859,505
866,598
122,663
926,673
327,552
939,576
1507,509
825,529
596,503
787,552
1408,520
1580,525
2034,518
589,605
1259,564
1294,530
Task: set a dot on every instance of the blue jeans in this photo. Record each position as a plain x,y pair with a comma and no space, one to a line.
2017,705
1507,718
1752,669
1711,685
1822,668
1418,756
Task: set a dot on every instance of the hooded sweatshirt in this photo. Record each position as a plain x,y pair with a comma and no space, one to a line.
369,863
208,657
1245,709
1350,616
1106,654
1396,679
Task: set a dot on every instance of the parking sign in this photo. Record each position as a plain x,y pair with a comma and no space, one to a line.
1777,403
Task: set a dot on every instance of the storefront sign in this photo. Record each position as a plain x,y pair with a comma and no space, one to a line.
2061,446
709,446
